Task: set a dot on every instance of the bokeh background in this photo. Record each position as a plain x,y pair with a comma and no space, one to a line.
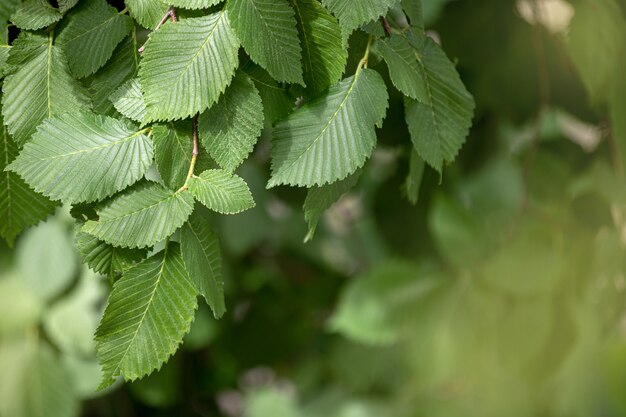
500,292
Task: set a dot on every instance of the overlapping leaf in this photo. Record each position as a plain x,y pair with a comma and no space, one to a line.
40,87
406,73
7,7
129,101
20,206
323,55
90,35
352,15
82,157
149,311
230,128
141,217
4,56
104,258
194,4
173,145
147,12
187,66
267,30
221,191
330,137
439,125
277,102
203,260
35,14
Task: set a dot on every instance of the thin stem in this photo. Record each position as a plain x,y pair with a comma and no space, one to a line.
125,11
194,154
386,26
170,14
366,55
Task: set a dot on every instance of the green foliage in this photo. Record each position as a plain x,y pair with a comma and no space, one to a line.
35,14
221,191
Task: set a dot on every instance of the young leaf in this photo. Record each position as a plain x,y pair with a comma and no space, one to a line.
104,258
404,69
277,102
203,260
324,58
230,128
141,216
129,101
319,199
149,311
90,35
267,30
351,15
20,206
121,68
40,87
35,14
173,145
83,157
187,66
147,12
439,125
221,191
330,137
194,4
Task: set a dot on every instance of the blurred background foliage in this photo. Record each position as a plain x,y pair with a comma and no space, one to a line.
501,292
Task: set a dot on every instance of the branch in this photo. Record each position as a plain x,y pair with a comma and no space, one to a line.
170,14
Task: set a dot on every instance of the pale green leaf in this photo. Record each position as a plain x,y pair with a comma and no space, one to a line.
141,216
147,12
41,87
4,56
120,68
46,259
404,69
203,260
323,55
20,206
413,180
173,146
439,125
83,157
7,7
104,258
319,199
352,15
277,102
330,137
35,14
149,311
267,30
271,401
221,191
33,383
194,4
129,101
90,34
186,66
230,128
20,308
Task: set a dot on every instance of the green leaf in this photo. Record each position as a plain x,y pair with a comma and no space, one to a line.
221,191
149,311
104,258
141,216
272,401
33,382
319,199
413,10
351,15
66,5
186,66
413,180
4,56
147,12
20,206
41,87
406,73
324,57
277,102
129,101
330,137
203,260
35,14
7,7
230,128
90,35
82,157
173,146
439,125
122,67
194,4
267,31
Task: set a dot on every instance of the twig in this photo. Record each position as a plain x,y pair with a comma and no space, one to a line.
194,154
170,14
386,26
